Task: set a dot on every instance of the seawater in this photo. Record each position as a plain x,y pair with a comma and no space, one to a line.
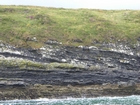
129,100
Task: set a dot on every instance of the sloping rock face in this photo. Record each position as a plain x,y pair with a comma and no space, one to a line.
106,64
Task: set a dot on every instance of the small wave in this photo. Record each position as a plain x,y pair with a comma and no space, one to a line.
129,100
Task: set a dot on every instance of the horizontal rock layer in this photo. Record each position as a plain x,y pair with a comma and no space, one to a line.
55,65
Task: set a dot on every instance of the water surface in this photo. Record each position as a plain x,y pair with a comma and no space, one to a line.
129,100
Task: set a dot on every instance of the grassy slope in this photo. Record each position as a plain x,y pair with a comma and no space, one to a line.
17,23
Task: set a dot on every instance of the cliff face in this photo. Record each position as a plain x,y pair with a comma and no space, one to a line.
108,69
108,65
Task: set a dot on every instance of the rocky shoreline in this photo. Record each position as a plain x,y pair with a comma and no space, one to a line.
57,71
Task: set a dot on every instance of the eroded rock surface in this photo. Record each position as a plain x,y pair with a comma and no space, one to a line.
82,66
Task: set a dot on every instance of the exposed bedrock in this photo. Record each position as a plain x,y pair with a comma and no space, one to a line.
58,65
68,77
91,65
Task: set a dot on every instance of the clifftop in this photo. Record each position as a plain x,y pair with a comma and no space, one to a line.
28,26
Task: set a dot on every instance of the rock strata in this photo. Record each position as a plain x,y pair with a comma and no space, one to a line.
71,69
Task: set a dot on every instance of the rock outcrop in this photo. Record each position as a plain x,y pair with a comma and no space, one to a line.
55,65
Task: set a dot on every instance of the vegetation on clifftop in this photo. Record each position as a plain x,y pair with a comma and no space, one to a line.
29,26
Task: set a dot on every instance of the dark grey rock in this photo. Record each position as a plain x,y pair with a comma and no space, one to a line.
98,66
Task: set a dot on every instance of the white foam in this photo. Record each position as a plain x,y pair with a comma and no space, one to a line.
72,101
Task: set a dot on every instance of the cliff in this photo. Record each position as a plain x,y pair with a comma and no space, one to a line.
64,71
57,53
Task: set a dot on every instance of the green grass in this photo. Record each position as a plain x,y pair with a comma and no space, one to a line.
21,64
17,23
30,65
